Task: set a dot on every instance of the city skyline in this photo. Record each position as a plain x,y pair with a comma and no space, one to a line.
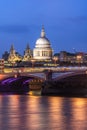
65,24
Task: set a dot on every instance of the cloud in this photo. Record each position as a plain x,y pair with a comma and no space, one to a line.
78,19
14,28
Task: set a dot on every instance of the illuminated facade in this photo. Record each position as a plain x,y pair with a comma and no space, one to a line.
1,65
67,57
80,57
42,50
28,54
13,56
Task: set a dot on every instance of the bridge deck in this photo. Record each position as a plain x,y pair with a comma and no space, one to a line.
55,75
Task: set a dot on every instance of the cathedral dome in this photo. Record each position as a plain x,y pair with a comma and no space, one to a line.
42,50
42,41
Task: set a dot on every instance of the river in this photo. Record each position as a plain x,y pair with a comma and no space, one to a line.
35,112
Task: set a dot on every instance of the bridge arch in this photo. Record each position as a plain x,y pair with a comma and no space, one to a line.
13,82
69,75
8,75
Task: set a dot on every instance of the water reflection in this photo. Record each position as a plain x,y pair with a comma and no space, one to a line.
25,112
79,118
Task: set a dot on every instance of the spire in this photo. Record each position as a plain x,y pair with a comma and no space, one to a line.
27,46
12,50
42,32
12,47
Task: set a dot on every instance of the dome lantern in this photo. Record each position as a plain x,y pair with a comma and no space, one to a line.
42,32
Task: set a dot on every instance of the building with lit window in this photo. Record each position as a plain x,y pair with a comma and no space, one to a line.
80,57
1,65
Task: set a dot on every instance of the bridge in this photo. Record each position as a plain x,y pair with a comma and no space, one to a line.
35,77
71,83
57,73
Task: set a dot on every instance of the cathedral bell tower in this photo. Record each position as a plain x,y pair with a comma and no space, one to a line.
27,54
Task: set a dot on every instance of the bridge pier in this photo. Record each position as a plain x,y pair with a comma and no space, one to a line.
48,75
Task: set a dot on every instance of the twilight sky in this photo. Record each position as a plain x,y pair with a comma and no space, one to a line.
65,23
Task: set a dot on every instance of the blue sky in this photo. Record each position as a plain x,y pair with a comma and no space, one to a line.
65,23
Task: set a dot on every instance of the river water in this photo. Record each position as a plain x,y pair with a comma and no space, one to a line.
35,112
